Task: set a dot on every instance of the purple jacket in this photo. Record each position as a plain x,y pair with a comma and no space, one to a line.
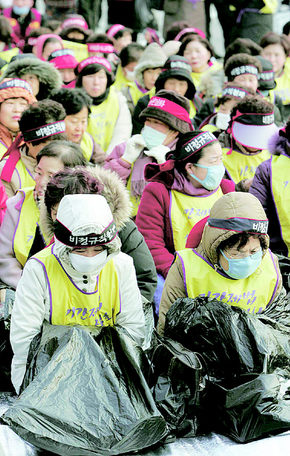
261,188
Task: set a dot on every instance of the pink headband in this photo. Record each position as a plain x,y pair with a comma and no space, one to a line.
169,106
114,29
74,22
95,60
189,30
104,48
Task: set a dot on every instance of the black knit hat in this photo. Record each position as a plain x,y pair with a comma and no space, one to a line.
267,75
177,67
175,113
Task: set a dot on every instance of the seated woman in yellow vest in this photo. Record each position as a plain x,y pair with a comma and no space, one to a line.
166,116
271,185
180,192
145,75
245,142
222,108
110,120
97,283
232,264
39,124
129,58
276,49
77,105
198,51
7,46
15,96
20,233
175,76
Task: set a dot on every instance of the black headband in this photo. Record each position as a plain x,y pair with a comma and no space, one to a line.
244,69
60,53
196,143
260,119
235,92
45,131
240,224
64,235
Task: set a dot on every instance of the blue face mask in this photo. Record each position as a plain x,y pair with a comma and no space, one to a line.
21,10
241,268
152,137
213,177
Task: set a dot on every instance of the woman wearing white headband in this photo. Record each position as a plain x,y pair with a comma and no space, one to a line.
97,283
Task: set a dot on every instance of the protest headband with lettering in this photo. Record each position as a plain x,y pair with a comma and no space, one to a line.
16,83
60,53
114,29
254,118
64,235
169,106
74,22
195,144
189,30
45,131
240,224
236,92
95,60
267,76
104,48
244,69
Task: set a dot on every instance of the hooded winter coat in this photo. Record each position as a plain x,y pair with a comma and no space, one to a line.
133,243
49,78
235,204
262,188
36,295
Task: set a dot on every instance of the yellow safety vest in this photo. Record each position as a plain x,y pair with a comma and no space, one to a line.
120,80
209,127
270,7
24,233
185,211
281,193
25,178
196,77
135,200
135,93
3,149
240,166
283,87
7,55
80,50
71,306
87,146
103,118
250,294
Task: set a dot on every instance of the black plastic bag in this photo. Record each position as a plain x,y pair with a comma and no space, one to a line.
231,341
258,406
247,359
176,379
87,397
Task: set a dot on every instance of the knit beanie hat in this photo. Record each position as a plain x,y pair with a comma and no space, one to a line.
177,67
152,57
112,32
170,108
93,65
16,88
63,58
267,75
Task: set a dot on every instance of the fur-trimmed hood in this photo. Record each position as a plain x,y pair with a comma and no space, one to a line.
212,83
279,145
49,78
114,191
152,57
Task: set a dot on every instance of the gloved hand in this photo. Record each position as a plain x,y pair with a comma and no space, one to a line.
133,149
158,152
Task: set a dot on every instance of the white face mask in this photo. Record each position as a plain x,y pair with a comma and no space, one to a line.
222,120
152,137
130,75
84,264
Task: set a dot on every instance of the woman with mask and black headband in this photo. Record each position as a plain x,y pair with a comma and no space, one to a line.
245,142
166,116
85,267
179,194
232,264
110,120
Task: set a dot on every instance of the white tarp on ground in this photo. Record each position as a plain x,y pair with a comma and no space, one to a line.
211,445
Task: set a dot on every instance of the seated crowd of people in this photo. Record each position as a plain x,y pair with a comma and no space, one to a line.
132,175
